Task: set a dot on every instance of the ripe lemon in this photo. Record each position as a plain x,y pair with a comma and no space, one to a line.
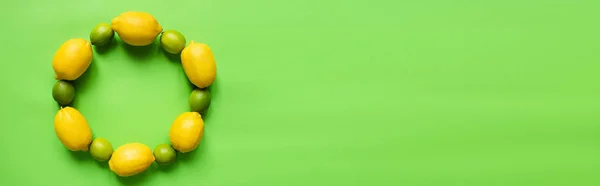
199,64
72,129
136,28
186,132
131,159
72,59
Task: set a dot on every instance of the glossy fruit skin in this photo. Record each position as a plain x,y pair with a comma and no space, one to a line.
186,132
101,149
72,59
164,154
72,129
199,64
101,35
172,41
131,159
136,28
63,93
199,100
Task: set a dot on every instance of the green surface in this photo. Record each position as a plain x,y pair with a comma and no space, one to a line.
382,92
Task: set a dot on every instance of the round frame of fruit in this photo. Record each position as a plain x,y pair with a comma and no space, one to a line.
134,28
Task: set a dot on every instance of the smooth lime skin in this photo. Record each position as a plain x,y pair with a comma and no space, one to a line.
101,149
199,100
165,154
172,41
102,34
63,92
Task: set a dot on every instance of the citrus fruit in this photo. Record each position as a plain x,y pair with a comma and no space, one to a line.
136,28
199,64
172,41
102,34
186,131
199,100
130,159
63,92
72,59
72,129
164,154
101,149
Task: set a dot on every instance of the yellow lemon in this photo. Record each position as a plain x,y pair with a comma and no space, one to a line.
131,159
136,28
72,59
186,132
72,129
199,64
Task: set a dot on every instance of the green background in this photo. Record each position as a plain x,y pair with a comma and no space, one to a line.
311,92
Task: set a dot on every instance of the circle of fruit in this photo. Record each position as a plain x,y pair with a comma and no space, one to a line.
134,28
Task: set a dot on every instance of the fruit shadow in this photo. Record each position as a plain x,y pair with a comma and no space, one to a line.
174,58
90,73
166,168
195,155
213,89
106,48
135,179
80,156
140,52
82,83
102,164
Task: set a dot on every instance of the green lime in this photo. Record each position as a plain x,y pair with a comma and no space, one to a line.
63,92
102,34
172,41
101,149
199,100
165,154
